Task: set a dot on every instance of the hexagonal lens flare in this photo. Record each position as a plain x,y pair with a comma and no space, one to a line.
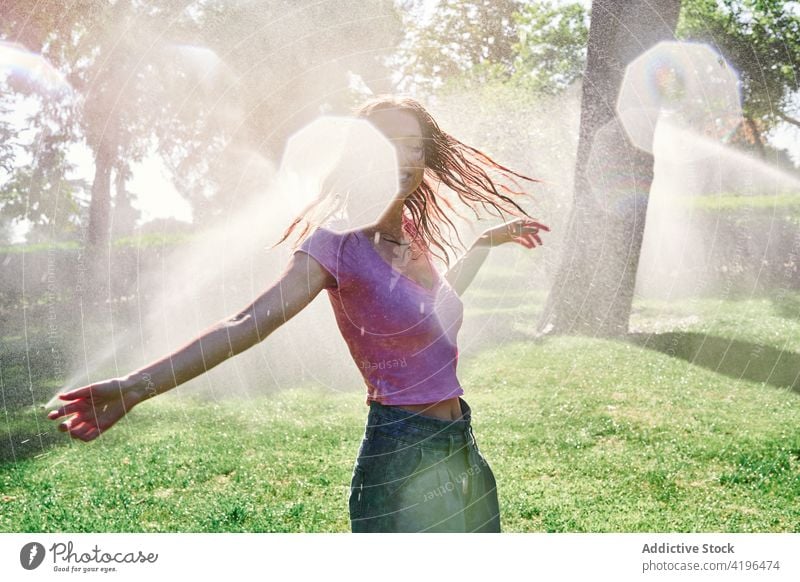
339,171
685,84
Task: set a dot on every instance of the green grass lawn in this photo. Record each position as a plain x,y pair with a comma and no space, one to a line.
689,426
720,201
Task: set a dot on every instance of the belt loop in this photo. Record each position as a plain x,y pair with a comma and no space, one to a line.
471,436
451,446
470,447
467,439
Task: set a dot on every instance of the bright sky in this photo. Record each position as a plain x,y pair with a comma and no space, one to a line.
153,192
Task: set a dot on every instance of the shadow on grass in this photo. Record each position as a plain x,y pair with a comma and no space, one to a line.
28,434
19,446
489,330
788,306
733,358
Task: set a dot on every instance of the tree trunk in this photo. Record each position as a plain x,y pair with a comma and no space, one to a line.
100,206
754,135
97,237
593,288
123,214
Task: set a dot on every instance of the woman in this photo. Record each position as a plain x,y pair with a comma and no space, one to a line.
418,467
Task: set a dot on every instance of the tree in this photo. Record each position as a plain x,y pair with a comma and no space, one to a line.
593,287
464,43
116,98
761,40
197,81
296,59
39,192
551,50
461,38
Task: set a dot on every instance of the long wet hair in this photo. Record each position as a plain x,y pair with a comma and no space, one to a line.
461,168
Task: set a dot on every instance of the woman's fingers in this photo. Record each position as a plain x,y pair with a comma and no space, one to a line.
84,392
65,426
527,234
71,424
92,434
78,427
79,400
65,410
89,411
76,407
84,431
77,417
529,240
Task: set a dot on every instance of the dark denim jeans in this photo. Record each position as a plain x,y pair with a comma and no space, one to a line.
416,473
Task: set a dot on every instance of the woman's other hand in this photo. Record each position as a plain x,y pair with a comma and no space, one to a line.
95,408
522,231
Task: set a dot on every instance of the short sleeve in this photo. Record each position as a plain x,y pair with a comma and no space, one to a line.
327,248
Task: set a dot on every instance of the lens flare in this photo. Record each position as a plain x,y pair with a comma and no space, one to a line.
686,84
20,65
339,171
618,186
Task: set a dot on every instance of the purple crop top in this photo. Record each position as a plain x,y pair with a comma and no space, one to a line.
401,335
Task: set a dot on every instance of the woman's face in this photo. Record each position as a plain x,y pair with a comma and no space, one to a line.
403,130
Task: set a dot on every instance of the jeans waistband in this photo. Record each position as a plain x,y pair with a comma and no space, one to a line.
415,428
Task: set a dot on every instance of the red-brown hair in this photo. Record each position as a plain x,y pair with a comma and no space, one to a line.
448,161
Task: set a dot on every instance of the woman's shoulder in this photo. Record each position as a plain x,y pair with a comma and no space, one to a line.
331,233
330,242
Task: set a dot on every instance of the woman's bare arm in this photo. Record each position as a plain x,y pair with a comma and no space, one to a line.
463,272
96,407
300,283
522,231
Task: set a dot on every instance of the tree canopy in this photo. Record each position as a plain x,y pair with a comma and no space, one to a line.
199,82
540,46
195,82
760,39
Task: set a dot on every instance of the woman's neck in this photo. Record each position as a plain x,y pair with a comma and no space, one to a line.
391,222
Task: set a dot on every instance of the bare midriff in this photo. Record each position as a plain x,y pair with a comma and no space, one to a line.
449,409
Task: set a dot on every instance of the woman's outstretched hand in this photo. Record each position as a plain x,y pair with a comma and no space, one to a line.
94,408
522,231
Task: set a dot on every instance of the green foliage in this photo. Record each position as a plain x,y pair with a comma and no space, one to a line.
539,46
551,50
41,194
119,101
138,241
462,37
206,85
760,39
785,201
